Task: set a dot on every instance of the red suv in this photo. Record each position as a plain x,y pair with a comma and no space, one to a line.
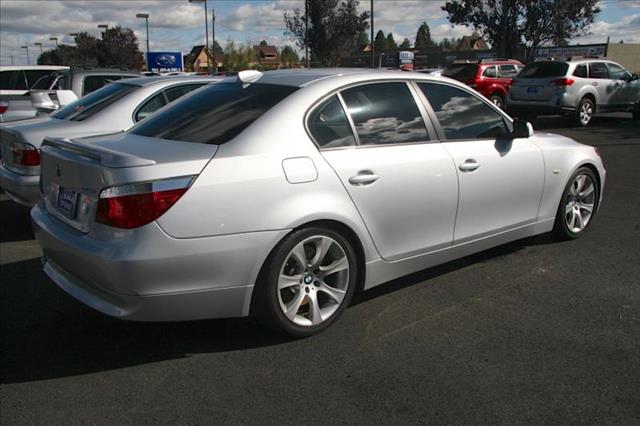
490,77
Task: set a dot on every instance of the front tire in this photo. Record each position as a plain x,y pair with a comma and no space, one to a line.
578,205
306,283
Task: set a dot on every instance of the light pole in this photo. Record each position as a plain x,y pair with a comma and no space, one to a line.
206,29
306,34
373,55
146,19
54,39
213,40
40,45
28,60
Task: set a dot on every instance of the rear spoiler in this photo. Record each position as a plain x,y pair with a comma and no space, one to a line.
106,157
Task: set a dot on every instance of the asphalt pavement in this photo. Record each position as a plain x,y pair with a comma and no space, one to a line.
536,331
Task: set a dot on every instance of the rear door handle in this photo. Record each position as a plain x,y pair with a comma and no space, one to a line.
364,177
595,83
469,165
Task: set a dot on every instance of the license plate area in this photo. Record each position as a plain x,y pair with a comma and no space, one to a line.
532,89
67,202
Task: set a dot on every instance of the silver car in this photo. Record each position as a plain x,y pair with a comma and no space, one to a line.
578,87
114,108
279,195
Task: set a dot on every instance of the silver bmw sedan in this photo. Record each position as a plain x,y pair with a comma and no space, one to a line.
113,108
280,194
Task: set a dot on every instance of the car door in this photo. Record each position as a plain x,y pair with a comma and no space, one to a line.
403,184
622,96
500,179
599,77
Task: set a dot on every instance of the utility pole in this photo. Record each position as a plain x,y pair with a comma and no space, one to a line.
373,55
206,29
213,39
145,16
306,34
11,59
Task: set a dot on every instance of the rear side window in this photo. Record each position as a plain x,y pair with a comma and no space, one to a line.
215,114
329,126
508,71
385,113
580,71
544,69
598,70
89,105
490,72
460,72
462,115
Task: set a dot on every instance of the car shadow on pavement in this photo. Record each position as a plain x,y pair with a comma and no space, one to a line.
15,221
608,128
46,334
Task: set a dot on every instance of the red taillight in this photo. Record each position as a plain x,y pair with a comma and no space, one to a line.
562,82
131,206
25,155
3,107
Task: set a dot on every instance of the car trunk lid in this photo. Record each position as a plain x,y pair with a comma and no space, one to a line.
533,89
74,173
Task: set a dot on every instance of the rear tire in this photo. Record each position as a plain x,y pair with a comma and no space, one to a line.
586,110
302,300
578,205
497,100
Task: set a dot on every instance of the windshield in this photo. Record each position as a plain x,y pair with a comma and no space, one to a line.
460,72
546,69
89,105
215,114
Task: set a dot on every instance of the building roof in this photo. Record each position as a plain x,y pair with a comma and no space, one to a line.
266,55
472,42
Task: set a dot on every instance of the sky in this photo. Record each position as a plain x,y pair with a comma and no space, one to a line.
177,25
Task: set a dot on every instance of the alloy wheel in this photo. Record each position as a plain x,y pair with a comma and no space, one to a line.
313,280
580,202
586,112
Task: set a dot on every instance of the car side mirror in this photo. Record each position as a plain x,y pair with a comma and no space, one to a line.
634,77
521,129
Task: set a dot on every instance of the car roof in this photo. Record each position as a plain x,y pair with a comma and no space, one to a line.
106,71
168,79
32,67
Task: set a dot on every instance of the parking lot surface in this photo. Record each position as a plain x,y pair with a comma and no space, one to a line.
530,332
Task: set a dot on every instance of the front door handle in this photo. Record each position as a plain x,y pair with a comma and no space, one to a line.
594,83
364,177
469,165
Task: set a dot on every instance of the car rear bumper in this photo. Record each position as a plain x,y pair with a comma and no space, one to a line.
145,275
22,189
560,104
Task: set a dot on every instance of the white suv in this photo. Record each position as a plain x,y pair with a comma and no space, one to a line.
580,88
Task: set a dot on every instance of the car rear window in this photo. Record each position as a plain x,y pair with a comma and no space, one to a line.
546,69
460,72
89,105
215,114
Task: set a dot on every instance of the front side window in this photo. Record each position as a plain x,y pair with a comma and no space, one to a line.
329,126
598,70
616,72
89,105
385,113
214,115
462,115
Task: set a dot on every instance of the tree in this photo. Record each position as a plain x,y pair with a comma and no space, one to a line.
390,43
237,58
216,48
507,23
334,29
289,57
406,44
423,37
363,40
380,42
264,43
119,47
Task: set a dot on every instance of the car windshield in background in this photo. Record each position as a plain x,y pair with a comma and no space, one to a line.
214,115
89,105
546,69
460,72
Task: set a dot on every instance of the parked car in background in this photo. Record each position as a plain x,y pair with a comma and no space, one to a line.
430,71
15,83
113,108
577,87
489,77
278,194
61,88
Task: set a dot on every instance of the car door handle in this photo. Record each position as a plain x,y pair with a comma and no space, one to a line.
364,177
469,165
594,83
